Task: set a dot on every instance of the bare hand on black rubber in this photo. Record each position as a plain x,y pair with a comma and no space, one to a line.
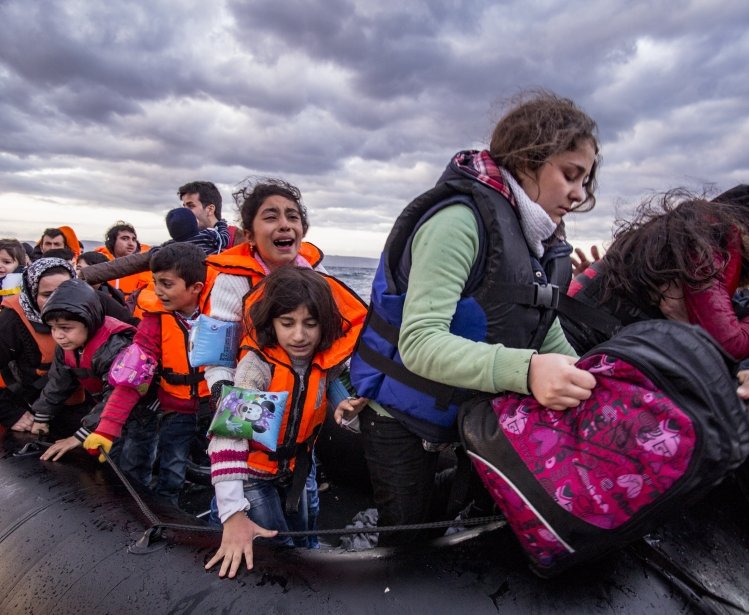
556,383
236,543
59,448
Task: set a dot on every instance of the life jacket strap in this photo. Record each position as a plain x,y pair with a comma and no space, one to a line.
533,295
302,467
443,394
594,317
181,379
390,333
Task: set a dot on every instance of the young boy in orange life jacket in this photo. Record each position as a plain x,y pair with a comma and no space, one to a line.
181,291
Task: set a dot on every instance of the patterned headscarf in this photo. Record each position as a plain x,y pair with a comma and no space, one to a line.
30,289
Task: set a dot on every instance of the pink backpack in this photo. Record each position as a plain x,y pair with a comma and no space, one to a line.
662,427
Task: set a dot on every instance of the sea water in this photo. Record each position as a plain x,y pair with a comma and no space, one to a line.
354,271
358,279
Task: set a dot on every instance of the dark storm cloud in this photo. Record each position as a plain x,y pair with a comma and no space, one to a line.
360,103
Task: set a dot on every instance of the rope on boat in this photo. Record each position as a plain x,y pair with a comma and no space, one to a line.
645,550
156,524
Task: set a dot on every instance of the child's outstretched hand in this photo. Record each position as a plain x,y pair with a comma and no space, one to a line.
236,542
348,409
59,448
94,441
556,383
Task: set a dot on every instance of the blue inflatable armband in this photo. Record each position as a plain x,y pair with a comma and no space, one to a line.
213,342
251,415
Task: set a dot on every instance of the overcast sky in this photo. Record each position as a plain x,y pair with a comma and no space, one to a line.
106,108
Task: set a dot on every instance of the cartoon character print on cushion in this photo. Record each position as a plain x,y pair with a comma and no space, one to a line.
260,414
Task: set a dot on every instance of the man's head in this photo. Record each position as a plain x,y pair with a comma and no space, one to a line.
52,239
179,273
204,200
121,240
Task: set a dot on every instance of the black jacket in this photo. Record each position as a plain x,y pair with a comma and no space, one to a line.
79,298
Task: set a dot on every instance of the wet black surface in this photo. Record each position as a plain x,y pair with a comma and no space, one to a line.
65,530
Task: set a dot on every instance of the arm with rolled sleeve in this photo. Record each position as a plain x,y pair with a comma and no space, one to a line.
229,455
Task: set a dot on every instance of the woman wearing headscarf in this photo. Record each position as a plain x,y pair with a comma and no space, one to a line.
26,345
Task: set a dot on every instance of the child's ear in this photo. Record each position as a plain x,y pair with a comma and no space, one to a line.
197,288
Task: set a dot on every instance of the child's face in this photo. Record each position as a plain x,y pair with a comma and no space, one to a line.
68,334
8,264
559,184
175,294
297,333
277,231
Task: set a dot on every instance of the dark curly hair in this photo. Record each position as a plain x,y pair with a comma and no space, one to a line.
110,237
537,125
673,237
252,194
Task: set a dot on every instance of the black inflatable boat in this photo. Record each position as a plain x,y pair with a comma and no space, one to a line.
74,540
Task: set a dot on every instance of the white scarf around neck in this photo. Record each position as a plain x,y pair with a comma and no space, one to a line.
537,225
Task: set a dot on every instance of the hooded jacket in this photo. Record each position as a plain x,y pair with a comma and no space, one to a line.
88,365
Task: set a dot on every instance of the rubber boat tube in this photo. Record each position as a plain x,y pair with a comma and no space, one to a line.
67,530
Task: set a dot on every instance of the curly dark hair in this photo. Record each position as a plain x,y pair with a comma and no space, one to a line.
253,192
673,237
110,237
537,125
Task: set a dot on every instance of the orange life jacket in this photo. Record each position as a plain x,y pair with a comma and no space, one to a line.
177,377
71,240
305,409
129,283
44,341
46,346
240,260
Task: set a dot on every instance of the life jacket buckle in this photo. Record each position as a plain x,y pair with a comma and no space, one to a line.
546,295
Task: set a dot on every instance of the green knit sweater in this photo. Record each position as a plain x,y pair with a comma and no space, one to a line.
443,252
